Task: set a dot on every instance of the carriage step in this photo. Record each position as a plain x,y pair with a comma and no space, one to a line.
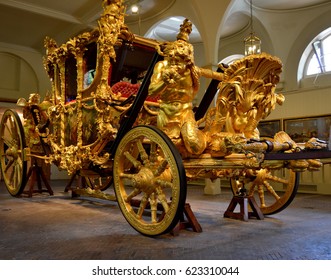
244,214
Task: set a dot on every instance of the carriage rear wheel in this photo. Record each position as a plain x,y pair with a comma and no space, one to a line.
12,145
273,190
149,180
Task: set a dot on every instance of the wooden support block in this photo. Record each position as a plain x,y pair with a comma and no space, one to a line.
36,173
68,186
243,214
256,211
187,220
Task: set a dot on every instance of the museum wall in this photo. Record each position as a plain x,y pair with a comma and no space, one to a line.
21,72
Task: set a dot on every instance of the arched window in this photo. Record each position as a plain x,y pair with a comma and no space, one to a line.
168,29
318,54
230,59
227,60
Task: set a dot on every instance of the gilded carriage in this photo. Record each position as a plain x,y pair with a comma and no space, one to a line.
120,114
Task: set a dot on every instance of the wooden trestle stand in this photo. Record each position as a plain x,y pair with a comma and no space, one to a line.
36,173
187,220
243,201
80,183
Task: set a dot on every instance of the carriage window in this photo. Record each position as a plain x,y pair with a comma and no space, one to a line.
70,79
130,68
90,62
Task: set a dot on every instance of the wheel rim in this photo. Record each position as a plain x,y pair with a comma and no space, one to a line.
12,144
273,190
149,180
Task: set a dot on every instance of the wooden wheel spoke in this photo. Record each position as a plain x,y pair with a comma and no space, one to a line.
162,167
19,162
278,179
15,174
125,175
12,128
8,127
136,163
133,194
271,190
142,152
142,206
260,191
163,199
17,171
252,189
8,143
12,176
153,153
164,184
153,203
9,164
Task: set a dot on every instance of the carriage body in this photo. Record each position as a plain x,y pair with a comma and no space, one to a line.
101,123
95,78
86,118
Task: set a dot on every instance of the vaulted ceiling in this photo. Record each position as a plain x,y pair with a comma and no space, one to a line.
27,22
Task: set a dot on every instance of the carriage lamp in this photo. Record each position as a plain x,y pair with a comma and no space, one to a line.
252,43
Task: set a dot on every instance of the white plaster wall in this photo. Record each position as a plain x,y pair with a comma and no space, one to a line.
23,72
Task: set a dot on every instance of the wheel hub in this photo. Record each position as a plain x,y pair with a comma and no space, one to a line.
144,180
12,152
261,176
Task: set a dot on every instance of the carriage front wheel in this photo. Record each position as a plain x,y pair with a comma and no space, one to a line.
149,180
12,145
273,190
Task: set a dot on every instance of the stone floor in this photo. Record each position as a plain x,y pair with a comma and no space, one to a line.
62,228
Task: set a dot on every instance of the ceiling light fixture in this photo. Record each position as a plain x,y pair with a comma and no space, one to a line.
252,42
134,9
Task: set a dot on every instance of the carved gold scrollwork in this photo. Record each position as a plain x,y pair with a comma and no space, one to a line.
75,156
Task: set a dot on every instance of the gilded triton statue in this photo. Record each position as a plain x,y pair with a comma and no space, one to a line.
246,95
176,81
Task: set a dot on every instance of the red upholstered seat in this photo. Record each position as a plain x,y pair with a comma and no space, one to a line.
127,89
